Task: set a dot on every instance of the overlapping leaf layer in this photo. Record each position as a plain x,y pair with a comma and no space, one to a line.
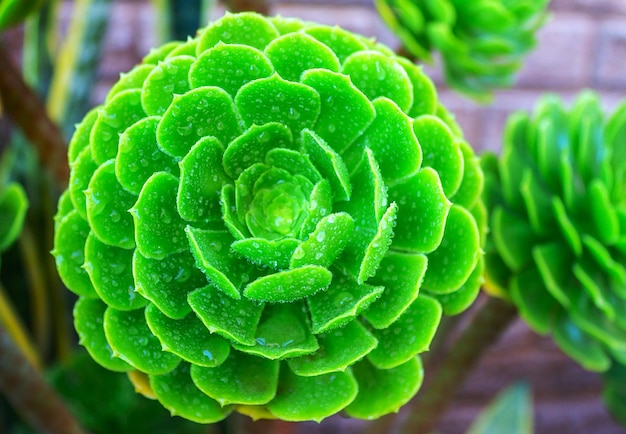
557,210
481,42
271,217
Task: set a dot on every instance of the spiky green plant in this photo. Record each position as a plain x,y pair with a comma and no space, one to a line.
270,217
557,248
481,42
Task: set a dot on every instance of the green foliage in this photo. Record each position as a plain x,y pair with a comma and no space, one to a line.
558,232
614,392
481,43
271,217
13,12
13,206
510,412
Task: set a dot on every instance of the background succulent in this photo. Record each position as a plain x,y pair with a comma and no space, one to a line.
13,206
558,225
271,217
481,43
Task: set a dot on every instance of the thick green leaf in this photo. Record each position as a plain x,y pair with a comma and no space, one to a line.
178,393
511,412
168,78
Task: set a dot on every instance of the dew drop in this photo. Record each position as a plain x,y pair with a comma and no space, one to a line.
184,130
321,236
298,253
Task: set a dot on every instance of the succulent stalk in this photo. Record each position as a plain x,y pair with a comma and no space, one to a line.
270,218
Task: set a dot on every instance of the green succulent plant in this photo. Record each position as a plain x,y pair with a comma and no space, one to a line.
271,217
481,42
557,248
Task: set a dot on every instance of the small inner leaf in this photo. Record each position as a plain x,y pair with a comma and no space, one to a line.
177,392
329,163
82,171
214,257
139,155
111,272
69,254
107,208
159,230
201,181
168,78
320,205
89,324
379,75
294,53
441,151
117,114
340,303
246,28
276,100
422,212
340,41
451,264
289,285
282,333
188,338
166,282
409,335
401,275
234,319
325,243
345,112
133,79
241,379
383,391
339,348
273,254
555,265
201,112
215,67
294,162
80,138
253,145
392,140
131,339
312,398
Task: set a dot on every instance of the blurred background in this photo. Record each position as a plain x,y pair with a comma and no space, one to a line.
583,45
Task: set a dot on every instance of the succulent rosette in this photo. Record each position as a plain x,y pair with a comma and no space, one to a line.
482,43
271,217
557,209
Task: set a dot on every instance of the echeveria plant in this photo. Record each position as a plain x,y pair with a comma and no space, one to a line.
481,42
557,210
272,218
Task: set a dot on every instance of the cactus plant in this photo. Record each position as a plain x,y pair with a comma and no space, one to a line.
272,218
558,225
481,43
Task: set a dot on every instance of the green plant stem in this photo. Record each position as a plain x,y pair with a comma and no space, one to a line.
25,108
436,395
25,388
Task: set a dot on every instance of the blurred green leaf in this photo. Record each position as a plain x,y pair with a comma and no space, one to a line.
510,412
13,12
